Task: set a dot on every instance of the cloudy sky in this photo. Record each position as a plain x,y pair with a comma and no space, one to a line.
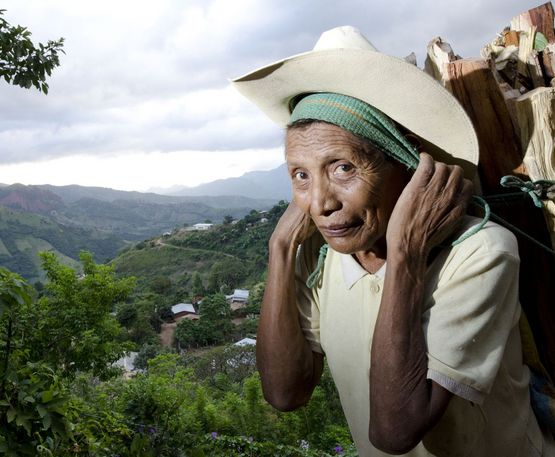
142,100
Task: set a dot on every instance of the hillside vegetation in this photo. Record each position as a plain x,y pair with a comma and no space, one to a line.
227,256
69,219
200,398
23,235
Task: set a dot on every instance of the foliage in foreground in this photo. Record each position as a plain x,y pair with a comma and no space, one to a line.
171,410
67,402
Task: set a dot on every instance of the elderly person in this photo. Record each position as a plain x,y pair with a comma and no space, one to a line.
375,266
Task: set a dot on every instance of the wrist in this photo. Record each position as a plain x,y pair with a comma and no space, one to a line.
281,244
413,261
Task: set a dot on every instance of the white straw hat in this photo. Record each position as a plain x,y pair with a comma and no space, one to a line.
345,62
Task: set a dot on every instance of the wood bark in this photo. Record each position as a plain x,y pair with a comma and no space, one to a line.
474,85
540,17
530,74
536,115
472,82
438,56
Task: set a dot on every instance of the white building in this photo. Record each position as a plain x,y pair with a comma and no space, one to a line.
246,342
202,226
238,296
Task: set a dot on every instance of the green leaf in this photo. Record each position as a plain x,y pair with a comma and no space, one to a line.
22,420
46,422
11,415
41,410
47,396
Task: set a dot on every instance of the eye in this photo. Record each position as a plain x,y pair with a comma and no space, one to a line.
299,176
344,168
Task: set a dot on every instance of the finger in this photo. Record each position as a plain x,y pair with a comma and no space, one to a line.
425,169
441,175
456,179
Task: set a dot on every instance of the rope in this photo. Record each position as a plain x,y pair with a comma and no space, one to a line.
533,189
316,275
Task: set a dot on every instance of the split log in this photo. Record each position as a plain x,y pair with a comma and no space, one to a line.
540,17
474,85
439,54
472,82
411,58
530,73
511,38
536,115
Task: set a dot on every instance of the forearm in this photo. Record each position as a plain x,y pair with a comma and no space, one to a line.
404,403
289,370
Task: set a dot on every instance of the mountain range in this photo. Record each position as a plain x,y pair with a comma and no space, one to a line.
271,184
68,219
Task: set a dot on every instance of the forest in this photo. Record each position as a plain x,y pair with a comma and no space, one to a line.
62,395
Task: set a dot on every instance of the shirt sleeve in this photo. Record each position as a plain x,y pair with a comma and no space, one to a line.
471,315
307,299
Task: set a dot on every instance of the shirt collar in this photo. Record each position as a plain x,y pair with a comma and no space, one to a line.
353,271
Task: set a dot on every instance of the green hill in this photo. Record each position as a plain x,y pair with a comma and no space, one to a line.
23,235
69,219
233,254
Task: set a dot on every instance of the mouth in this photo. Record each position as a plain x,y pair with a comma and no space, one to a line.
337,230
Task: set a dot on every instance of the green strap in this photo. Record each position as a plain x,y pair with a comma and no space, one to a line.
316,275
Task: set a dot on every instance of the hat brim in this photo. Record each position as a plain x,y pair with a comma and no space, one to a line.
399,89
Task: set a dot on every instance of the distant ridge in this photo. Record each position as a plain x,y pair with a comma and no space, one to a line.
271,184
67,219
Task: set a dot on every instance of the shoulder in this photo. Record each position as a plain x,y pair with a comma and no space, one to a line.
492,240
488,254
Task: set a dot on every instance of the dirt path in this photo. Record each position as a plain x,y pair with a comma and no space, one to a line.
161,243
166,334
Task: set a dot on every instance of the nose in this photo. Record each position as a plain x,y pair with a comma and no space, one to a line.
323,198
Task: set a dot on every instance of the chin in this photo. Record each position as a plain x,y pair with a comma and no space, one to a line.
347,247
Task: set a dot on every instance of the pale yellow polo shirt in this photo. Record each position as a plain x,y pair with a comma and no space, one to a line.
470,325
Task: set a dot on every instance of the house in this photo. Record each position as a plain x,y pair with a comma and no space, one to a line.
202,226
246,342
238,296
238,299
184,311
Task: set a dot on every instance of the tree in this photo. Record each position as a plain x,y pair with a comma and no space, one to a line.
213,327
227,219
225,275
34,407
161,284
255,298
21,63
74,329
197,287
215,308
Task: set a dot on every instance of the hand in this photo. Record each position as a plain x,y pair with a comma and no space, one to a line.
294,226
429,208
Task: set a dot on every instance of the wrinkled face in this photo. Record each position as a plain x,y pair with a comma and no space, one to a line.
341,182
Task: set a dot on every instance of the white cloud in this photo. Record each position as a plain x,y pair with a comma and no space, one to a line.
142,171
152,78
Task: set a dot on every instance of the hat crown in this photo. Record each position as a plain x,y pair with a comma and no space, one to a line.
345,37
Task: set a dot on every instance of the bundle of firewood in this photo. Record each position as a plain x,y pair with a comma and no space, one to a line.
509,94
510,90
523,53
